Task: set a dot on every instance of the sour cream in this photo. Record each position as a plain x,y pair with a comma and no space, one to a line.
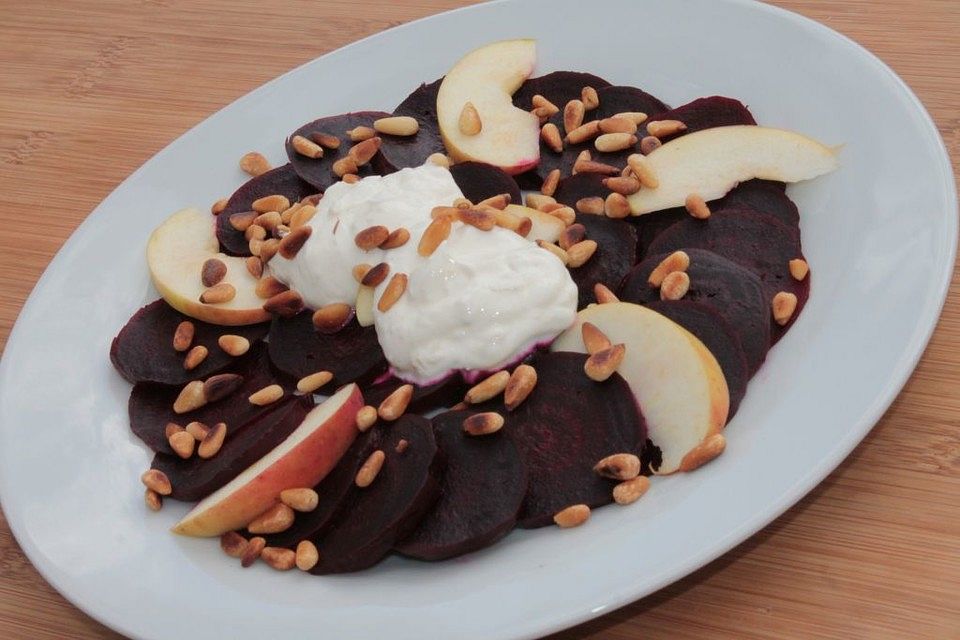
479,302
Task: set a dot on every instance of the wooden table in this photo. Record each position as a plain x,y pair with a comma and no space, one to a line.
90,89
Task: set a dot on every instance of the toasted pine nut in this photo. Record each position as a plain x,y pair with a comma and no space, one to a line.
489,388
594,340
375,275
212,271
269,248
285,304
613,142
211,443
649,144
539,200
312,382
619,466
644,172
603,294
540,102
616,206
439,159
254,266
784,304
401,446
637,117
507,220
220,386
397,126
157,481
291,243
395,404
198,430
254,164
676,261
392,292
191,397
268,287
233,544
332,317
550,135
711,447
302,499
219,293
525,227
267,395
153,500
618,125
279,558
480,219
567,215
482,424
625,186
602,364
307,555
233,345
366,418
580,253
593,205
583,133
573,114
360,271
344,166
182,444
664,128
217,207
266,204
697,207
372,237
194,357
435,233
171,428
469,122
799,269
277,518
572,516
520,386
306,147
183,336
269,220
325,139
370,469
675,285
590,98
630,491
499,202
591,166
555,250
572,235
358,134
397,238
549,186
254,548
364,151
242,221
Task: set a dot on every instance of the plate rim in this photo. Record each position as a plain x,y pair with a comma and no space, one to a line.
699,558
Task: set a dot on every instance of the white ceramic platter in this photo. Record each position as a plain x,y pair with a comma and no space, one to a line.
879,234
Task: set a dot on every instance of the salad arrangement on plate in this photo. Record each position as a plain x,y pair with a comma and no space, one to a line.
489,364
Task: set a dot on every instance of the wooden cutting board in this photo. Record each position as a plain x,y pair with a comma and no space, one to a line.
90,89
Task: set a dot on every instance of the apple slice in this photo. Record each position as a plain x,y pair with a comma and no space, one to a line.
302,460
545,226
487,78
677,382
713,161
176,252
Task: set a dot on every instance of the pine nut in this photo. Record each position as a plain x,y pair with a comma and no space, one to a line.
364,151
649,144
550,135
539,200
711,447
312,382
156,480
469,121
325,139
171,428
217,207
268,287
302,499
279,558
274,203
397,126
153,500
590,98
233,544
213,441
580,253
254,266
520,386
439,159
212,272
799,269
499,201
784,304
194,357
488,388
549,186
302,216
219,294
613,142
233,345
370,469
183,336
583,133
555,250
392,292
198,430
525,227
593,205
674,286
572,516
375,275
286,304
637,117
397,238
540,102
305,147
603,294
572,235
395,404
401,446
220,386
267,395
483,220
359,134
618,125
277,518
307,555
619,466
345,166
366,418
644,172
372,237
482,424
697,207
191,397
360,271
253,550
603,364
242,221
291,243
630,491
616,206
566,215
594,340
664,128
625,186
676,261
182,444
573,115
254,164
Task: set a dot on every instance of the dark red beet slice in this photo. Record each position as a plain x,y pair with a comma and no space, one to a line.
195,478
615,255
754,240
563,429
651,225
398,152
387,511
718,336
335,491
143,350
582,185
319,171
282,181
352,354
733,291
480,181
706,113
425,398
151,405
482,489
764,196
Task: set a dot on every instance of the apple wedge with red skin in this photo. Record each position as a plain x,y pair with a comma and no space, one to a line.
302,460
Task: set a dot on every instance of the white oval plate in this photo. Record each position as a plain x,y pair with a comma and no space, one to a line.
880,235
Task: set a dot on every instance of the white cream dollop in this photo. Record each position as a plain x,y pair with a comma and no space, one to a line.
479,302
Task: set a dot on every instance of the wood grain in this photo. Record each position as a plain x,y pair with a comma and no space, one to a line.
90,89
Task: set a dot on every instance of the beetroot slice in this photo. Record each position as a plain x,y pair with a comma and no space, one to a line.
425,398
563,429
754,240
319,171
151,405
718,336
398,152
579,186
352,354
479,181
405,489
282,181
733,291
766,197
615,255
335,491
706,113
195,478
143,350
480,496
651,225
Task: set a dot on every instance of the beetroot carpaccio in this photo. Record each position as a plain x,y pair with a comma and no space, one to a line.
408,455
